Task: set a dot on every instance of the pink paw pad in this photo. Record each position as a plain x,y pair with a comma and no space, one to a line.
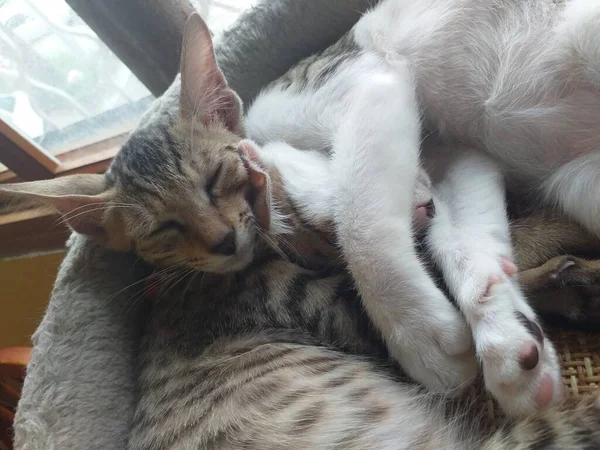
422,215
508,267
529,356
492,281
545,392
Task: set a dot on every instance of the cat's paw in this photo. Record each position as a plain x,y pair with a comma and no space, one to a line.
437,350
520,365
565,286
564,271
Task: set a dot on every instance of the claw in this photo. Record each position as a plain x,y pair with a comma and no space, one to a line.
564,265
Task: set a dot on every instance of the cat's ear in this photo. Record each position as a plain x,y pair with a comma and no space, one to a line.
205,95
80,199
260,181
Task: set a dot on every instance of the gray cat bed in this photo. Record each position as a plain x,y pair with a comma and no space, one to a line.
80,386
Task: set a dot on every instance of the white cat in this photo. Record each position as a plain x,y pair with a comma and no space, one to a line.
519,80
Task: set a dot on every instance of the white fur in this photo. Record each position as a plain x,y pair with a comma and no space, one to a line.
468,237
575,188
518,80
307,177
422,329
374,224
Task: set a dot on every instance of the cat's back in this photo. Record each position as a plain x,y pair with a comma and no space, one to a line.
212,377
516,78
279,395
464,53
226,358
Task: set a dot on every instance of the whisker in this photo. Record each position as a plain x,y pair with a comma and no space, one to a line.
175,281
134,299
107,205
291,248
120,291
273,244
70,216
192,278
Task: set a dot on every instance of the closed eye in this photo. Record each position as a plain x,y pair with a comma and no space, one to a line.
210,186
168,225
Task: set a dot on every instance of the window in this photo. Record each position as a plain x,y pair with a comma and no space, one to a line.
60,85
61,88
67,101
219,14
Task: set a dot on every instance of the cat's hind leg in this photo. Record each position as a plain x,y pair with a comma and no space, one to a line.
469,240
575,186
376,162
575,189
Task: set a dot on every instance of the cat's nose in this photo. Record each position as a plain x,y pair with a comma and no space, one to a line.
226,246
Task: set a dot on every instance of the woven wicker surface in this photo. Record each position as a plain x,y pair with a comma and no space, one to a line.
580,359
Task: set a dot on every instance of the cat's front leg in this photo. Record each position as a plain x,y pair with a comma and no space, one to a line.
469,240
375,165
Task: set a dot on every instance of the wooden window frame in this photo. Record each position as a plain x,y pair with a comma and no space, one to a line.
34,163
24,157
27,161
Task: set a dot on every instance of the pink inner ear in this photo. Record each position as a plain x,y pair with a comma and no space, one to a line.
248,151
256,171
230,111
260,182
221,105
258,179
204,92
